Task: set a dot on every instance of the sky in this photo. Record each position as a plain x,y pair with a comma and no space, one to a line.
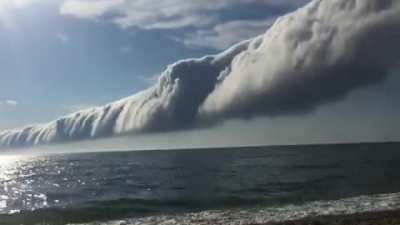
61,56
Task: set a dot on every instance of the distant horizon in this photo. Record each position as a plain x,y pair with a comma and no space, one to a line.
76,148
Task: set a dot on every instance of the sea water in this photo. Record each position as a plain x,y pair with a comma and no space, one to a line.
254,183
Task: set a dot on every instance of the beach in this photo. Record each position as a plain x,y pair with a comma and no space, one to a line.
391,217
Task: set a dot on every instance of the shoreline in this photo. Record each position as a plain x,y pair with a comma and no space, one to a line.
390,217
228,217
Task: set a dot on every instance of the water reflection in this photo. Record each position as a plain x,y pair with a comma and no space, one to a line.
16,178
7,172
6,164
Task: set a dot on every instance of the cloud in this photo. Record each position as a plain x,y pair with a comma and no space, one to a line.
225,34
8,10
88,9
16,3
311,57
63,38
202,22
12,103
159,14
148,80
308,58
8,5
23,3
150,14
126,49
172,103
76,107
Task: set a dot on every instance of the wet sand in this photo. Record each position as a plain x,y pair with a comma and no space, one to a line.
391,217
370,218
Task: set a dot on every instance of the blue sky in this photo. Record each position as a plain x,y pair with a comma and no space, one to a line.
60,56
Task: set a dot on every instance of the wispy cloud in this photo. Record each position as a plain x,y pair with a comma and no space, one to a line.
16,3
64,39
200,21
9,102
89,9
22,3
76,107
8,8
225,34
148,80
160,14
149,14
126,49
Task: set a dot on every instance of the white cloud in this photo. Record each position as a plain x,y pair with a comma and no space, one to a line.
8,5
16,3
23,3
126,49
148,80
147,14
7,19
313,56
157,14
309,58
7,11
175,14
76,107
88,9
225,34
64,39
12,103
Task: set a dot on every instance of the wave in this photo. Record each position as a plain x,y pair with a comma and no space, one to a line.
235,212
115,209
348,206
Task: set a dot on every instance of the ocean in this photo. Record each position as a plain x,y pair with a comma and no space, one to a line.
253,184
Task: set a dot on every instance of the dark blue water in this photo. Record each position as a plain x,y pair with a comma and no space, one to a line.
100,186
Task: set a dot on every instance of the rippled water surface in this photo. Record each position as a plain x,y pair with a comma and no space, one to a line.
102,186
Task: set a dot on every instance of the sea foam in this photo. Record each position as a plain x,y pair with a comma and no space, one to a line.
347,206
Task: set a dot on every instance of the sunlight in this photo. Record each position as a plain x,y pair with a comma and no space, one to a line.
6,18
7,162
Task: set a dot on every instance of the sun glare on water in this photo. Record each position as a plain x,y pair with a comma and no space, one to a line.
15,173
8,166
7,163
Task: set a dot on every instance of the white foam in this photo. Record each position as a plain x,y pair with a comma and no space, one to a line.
346,206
